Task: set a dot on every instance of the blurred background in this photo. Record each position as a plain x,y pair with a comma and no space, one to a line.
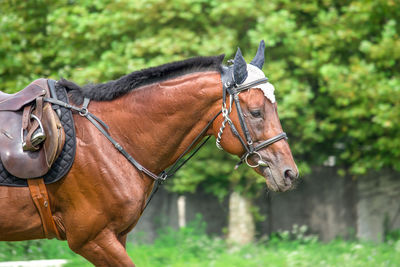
335,66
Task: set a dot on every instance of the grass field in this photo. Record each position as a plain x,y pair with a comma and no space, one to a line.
190,246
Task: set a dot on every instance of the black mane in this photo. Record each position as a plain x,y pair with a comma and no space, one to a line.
116,88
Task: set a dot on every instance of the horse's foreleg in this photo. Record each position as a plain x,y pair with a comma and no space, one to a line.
105,250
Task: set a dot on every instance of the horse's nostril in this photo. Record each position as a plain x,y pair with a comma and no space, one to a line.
289,174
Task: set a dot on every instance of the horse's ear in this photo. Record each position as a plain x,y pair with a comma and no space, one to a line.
258,60
239,68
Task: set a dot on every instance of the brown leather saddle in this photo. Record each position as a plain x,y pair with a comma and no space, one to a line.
31,135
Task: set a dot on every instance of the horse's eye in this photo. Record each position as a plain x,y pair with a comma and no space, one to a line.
255,113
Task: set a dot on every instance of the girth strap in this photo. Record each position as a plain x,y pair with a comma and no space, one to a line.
41,199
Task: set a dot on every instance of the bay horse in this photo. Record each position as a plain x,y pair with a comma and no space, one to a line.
155,114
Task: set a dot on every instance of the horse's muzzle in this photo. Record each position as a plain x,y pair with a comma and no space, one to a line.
279,181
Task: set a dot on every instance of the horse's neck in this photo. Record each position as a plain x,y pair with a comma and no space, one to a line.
156,123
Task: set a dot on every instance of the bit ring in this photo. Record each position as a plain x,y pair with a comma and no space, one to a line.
250,154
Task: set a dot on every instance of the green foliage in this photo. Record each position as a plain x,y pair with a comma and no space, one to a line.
190,243
190,246
393,236
298,234
335,65
34,249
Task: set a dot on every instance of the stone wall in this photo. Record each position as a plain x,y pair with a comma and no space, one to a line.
378,205
322,201
331,206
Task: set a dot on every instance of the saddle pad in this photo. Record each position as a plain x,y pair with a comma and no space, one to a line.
64,162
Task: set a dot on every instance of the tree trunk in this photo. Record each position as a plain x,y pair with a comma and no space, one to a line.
241,222
181,211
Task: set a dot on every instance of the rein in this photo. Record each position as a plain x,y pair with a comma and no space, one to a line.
103,128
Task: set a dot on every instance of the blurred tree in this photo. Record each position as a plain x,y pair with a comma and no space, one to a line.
337,70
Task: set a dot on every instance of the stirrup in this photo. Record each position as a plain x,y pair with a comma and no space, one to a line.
37,138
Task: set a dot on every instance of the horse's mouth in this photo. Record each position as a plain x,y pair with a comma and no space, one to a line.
276,183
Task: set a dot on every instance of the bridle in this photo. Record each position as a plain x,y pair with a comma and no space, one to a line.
251,149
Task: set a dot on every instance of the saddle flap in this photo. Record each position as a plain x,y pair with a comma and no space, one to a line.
29,164
22,164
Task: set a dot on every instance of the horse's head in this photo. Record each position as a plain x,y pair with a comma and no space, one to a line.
255,133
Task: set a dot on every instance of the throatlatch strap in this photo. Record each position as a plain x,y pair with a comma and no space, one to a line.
41,199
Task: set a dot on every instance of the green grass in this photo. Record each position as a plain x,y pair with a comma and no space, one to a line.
337,253
190,246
